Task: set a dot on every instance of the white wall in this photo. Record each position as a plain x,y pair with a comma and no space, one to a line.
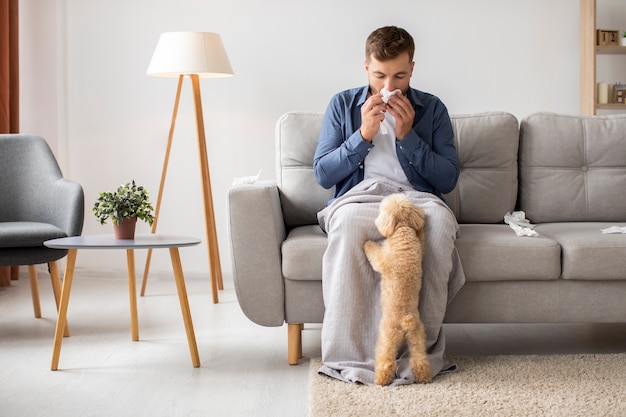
85,88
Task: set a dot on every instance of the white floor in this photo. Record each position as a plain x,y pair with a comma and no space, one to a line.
244,369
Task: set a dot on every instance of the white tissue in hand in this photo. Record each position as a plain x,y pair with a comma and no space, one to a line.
518,222
386,94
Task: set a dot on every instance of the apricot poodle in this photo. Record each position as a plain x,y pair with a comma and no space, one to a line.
398,259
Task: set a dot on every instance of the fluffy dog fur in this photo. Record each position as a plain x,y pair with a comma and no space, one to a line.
399,261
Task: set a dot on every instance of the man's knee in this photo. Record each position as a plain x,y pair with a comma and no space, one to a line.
350,217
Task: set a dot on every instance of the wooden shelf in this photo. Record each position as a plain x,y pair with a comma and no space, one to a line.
614,106
611,50
588,53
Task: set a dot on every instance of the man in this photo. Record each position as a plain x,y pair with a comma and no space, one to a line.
377,141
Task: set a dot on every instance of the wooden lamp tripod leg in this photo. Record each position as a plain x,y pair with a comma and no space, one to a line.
213,250
157,208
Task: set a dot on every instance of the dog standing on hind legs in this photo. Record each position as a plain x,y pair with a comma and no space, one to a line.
399,261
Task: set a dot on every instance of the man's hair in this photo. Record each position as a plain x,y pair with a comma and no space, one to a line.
388,43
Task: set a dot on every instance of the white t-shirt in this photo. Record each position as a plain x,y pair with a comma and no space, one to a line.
382,160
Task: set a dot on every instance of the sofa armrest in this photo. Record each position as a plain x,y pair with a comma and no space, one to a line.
257,231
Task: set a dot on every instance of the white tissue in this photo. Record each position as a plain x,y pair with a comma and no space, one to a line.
518,222
246,180
614,229
383,129
386,94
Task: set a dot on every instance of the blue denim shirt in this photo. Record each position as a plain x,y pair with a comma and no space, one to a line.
427,154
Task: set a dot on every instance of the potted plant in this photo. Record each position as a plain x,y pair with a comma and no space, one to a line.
124,206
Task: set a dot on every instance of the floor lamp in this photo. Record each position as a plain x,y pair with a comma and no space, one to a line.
195,55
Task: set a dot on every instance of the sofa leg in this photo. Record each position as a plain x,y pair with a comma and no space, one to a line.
294,342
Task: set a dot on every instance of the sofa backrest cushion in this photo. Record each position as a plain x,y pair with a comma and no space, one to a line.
487,145
573,168
301,196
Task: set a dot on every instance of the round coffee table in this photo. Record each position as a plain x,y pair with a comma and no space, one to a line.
152,241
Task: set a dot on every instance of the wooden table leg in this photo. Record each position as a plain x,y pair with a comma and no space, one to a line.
184,306
63,303
132,294
146,270
53,269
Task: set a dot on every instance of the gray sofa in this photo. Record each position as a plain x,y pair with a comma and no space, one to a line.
567,173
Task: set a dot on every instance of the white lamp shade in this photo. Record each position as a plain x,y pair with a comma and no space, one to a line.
200,53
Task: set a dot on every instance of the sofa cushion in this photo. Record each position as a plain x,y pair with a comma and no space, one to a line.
489,252
573,168
302,253
486,145
301,196
588,254
492,252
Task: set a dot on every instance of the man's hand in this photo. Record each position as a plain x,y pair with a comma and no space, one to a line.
401,109
372,114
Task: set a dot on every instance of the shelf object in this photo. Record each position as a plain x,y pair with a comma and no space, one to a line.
588,52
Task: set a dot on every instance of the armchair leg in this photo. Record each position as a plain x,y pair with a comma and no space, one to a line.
5,276
34,290
294,342
56,288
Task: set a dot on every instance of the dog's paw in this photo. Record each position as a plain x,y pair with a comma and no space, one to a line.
385,373
369,247
371,250
383,379
421,371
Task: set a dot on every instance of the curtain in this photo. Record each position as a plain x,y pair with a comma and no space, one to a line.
9,67
9,89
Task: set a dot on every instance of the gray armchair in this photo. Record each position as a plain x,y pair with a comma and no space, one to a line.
36,204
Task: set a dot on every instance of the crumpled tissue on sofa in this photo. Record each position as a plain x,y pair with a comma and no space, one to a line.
614,229
518,222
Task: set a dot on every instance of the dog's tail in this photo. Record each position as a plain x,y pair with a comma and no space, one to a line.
408,323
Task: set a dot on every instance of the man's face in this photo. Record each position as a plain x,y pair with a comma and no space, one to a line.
393,74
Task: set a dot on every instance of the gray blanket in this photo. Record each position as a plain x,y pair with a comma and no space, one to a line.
351,286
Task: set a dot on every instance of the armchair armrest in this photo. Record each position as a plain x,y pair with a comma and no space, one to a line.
66,206
257,231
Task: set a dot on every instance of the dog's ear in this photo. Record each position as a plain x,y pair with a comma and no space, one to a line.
417,217
398,209
407,212
395,210
386,222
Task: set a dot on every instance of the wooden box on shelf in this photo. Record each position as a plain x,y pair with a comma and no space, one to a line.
606,37
619,94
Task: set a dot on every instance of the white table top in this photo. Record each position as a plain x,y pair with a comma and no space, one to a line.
151,241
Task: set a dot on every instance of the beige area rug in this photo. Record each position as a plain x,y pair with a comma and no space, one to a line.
551,385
